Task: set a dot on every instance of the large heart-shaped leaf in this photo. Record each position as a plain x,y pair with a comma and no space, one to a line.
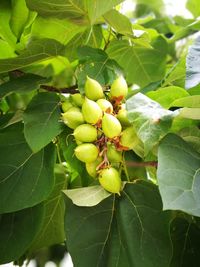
179,175
42,120
117,231
26,178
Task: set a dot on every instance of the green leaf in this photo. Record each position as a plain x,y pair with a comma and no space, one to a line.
179,175
36,50
117,231
24,84
193,7
26,178
141,65
42,120
87,196
17,21
119,22
166,96
78,11
150,120
17,231
192,63
190,113
52,229
192,136
61,30
6,50
188,101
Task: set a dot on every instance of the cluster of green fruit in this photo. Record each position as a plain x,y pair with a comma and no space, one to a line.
101,130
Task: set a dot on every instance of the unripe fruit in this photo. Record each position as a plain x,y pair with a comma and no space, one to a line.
73,117
105,105
66,105
113,155
122,117
91,167
129,138
93,89
77,99
92,113
85,133
86,152
119,88
110,180
111,126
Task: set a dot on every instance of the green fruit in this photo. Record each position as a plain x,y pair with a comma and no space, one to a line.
66,105
119,88
113,155
73,117
111,126
129,138
91,167
77,99
92,113
93,89
105,105
110,180
86,152
122,117
85,133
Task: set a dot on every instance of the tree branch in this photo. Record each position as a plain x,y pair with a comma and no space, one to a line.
142,164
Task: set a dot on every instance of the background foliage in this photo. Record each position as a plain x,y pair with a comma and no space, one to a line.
47,48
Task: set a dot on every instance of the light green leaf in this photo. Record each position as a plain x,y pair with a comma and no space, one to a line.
166,96
87,196
23,84
61,30
119,22
17,231
192,69
188,101
141,65
117,231
194,7
6,50
192,136
190,113
26,179
150,120
17,21
52,229
179,175
36,50
42,120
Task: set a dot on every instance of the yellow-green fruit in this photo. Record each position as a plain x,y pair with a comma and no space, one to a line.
105,105
129,138
122,117
111,126
86,152
91,167
119,88
110,180
66,105
113,155
77,99
92,113
93,89
73,117
85,133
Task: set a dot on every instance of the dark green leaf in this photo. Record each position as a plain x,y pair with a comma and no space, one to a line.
17,231
23,84
26,178
141,65
36,50
179,175
117,231
151,121
192,63
42,120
